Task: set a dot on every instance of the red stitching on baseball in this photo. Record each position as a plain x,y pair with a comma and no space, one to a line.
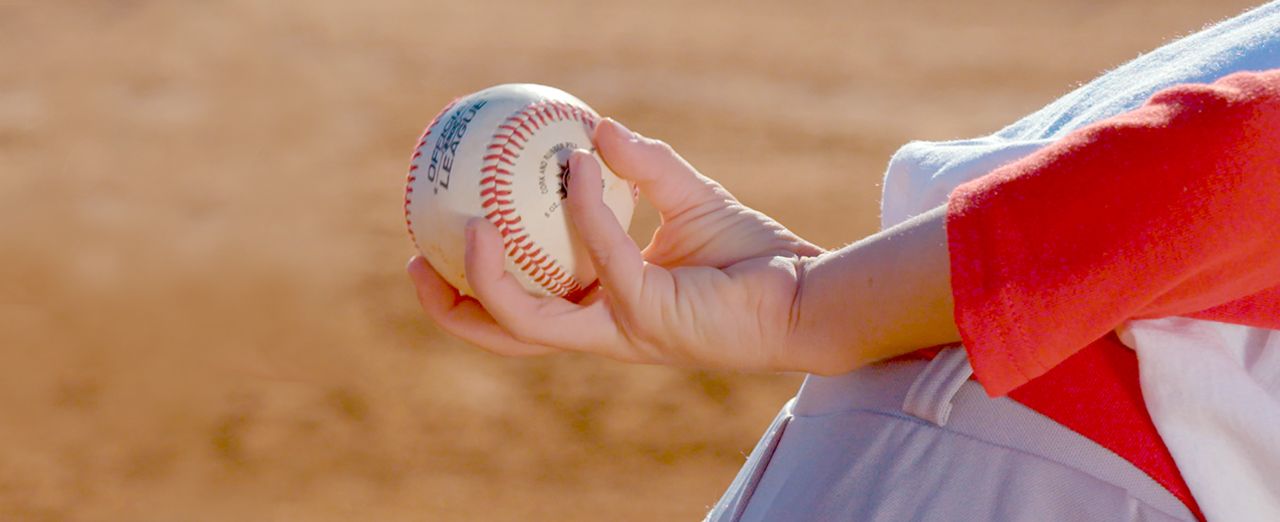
516,132
519,129
529,114
502,149
497,169
499,157
410,178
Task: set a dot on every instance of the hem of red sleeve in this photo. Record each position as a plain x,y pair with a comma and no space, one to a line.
979,315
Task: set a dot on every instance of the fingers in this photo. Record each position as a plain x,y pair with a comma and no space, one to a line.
548,321
463,317
665,178
616,258
487,275
806,248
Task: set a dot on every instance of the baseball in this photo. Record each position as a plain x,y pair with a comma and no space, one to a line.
502,154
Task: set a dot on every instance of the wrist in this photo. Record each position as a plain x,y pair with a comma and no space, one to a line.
878,298
811,345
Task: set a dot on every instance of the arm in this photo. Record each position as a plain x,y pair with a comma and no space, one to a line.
722,285
884,296
1173,209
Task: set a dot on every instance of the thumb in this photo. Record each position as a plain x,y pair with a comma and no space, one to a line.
665,178
616,258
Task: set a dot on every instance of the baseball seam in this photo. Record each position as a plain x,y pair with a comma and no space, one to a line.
413,167
495,191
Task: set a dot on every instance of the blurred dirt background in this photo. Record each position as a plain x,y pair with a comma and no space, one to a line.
203,312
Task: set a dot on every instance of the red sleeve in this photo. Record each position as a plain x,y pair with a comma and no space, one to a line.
1172,209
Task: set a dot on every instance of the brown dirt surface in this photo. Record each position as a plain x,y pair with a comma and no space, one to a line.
203,310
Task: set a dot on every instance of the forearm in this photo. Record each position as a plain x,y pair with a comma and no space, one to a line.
883,296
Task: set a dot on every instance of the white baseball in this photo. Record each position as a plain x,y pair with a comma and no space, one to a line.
501,153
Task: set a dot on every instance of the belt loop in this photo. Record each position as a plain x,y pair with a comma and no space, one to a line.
929,397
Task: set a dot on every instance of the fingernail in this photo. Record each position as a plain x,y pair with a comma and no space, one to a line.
577,157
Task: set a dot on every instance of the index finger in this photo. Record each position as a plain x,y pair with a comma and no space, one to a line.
663,176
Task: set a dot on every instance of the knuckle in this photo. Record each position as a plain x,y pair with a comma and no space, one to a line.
648,346
661,147
578,202
601,252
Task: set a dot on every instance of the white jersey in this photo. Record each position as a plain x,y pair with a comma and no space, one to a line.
1213,389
